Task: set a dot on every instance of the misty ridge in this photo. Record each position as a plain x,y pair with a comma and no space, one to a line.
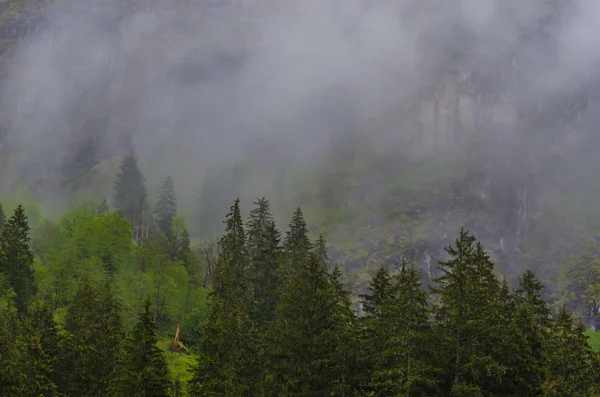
299,198
498,98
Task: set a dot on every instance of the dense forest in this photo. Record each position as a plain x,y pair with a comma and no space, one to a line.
299,198
119,303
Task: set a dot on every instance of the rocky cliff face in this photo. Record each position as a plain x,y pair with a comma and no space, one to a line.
486,121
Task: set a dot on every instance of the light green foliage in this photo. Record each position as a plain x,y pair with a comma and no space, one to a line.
579,278
84,244
593,340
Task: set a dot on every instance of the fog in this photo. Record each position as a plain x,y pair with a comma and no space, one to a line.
188,84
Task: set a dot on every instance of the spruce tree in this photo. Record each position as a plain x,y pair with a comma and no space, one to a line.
296,245
301,343
528,334
379,290
372,339
345,366
227,345
2,219
404,363
467,317
568,361
16,259
143,368
184,248
94,332
265,255
130,193
11,379
166,207
40,347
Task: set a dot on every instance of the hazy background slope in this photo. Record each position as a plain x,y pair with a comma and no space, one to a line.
392,123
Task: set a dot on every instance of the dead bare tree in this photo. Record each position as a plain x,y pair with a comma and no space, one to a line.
209,252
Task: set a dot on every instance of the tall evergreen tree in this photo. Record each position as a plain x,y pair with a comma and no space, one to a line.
94,332
297,245
265,255
379,290
529,319
184,247
227,345
233,249
143,368
404,363
130,194
568,361
10,355
372,339
16,259
166,206
2,218
467,317
40,351
301,342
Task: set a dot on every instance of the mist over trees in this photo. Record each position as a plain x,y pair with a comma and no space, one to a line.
275,319
309,197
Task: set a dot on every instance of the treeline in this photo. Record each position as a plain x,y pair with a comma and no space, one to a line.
83,304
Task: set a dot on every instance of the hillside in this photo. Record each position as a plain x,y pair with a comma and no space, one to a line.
391,124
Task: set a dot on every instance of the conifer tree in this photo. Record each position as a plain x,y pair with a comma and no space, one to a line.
2,218
184,247
227,344
143,368
528,334
379,290
94,332
130,193
372,340
16,259
568,361
40,351
10,355
404,363
296,245
467,316
166,206
264,254
345,367
302,343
